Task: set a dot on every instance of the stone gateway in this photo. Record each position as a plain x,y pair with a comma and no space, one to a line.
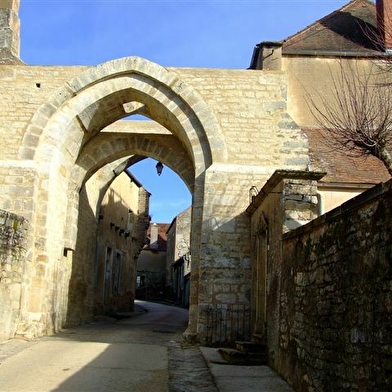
222,131
260,174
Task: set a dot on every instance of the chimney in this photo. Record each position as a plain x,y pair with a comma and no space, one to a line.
154,236
384,23
9,32
267,56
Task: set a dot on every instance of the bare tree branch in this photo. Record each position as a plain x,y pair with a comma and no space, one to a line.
357,117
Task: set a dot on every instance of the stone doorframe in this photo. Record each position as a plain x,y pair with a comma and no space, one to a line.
65,143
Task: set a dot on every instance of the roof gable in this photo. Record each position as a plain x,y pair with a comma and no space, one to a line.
347,30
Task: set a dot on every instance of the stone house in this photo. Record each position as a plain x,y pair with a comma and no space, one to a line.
344,39
120,238
310,58
313,277
178,257
151,264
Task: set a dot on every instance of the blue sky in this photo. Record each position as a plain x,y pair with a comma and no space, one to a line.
177,33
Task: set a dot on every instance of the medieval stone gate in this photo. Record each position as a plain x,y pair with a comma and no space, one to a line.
221,131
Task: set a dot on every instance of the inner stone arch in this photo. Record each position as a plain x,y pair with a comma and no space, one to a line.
107,147
108,173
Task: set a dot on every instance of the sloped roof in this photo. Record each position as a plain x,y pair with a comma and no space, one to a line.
340,165
349,30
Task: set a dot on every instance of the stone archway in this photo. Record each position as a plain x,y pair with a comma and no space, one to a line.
84,256
68,126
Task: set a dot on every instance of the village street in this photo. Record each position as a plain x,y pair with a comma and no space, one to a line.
129,354
139,352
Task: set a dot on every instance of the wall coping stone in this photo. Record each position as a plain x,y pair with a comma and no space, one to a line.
276,178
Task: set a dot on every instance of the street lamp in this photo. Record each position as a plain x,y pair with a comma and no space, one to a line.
159,167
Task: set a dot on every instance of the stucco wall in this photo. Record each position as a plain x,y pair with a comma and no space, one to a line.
332,197
314,76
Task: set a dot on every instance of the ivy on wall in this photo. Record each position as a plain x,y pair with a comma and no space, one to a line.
12,240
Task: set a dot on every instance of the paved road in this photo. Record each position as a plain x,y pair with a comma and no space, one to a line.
142,352
139,353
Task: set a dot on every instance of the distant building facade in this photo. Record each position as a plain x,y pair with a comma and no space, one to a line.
178,257
123,218
151,264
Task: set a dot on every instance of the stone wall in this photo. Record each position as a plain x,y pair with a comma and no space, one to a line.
103,276
12,262
335,302
9,32
287,201
229,130
178,257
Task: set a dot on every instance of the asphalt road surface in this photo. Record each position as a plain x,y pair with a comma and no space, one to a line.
139,353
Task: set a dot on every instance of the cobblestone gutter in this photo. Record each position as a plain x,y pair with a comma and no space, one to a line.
188,371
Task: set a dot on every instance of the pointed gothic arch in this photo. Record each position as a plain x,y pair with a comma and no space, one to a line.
68,125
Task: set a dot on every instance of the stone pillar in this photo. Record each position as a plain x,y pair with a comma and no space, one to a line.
9,32
287,201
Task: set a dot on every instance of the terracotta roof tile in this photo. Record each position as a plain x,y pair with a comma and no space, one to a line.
347,30
339,165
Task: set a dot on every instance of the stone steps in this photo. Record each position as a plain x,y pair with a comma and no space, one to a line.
245,353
